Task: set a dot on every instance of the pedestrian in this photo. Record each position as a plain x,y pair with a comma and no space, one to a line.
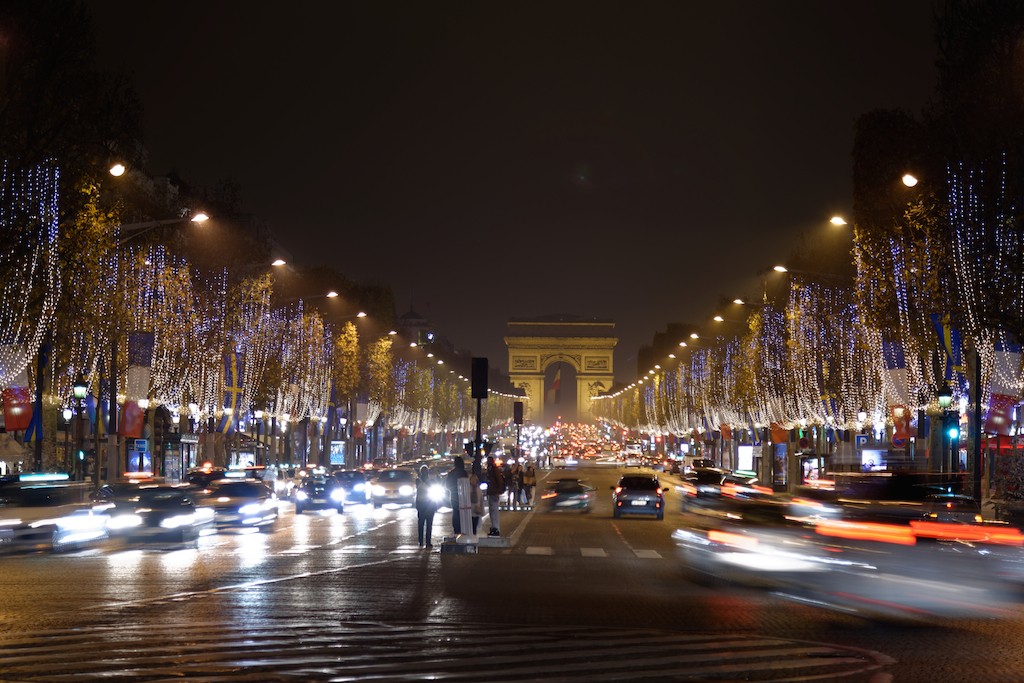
425,507
476,495
452,484
529,481
495,489
513,480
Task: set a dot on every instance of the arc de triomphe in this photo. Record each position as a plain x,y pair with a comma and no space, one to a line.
587,344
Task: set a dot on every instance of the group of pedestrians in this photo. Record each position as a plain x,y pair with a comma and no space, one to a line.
488,484
520,482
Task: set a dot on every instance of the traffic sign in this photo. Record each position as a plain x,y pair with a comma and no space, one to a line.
141,445
860,440
899,441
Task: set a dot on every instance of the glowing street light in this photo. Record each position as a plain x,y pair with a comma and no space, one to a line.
837,221
909,180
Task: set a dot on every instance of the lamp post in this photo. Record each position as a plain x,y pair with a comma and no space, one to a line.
78,390
945,396
131,230
258,414
67,413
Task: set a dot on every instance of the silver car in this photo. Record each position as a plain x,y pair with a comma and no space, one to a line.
243,503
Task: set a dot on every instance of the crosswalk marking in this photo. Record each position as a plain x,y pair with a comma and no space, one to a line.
539,550
593,552
213,650
299,549
647,554
406,549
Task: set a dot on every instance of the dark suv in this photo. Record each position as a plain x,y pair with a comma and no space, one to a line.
319,493
355,485
638,494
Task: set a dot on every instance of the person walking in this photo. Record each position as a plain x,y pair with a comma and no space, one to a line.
476,496
529,481
495,489
425,507
452,484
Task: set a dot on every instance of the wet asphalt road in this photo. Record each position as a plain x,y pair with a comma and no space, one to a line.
352,597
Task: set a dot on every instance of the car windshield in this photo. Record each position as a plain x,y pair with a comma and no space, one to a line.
563,485
161,497
643,483
240,489
349,477
395,475
40,496
708,477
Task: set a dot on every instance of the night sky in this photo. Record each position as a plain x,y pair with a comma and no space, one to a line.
636,161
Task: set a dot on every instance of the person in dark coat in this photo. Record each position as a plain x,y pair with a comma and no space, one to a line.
425,507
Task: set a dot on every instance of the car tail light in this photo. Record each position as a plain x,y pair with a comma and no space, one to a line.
618,490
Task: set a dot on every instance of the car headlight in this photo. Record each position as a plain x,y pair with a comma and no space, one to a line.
436,493
359,487
406,490
250,509
124,522
178,521
301,495
338,495
379,491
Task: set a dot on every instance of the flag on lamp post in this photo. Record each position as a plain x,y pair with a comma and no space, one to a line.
18,403
1002,396
140,367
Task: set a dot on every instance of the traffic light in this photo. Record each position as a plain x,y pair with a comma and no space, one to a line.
953,426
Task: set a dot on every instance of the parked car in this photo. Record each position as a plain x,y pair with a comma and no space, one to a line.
393,486
319,493
242,503
567,494
638,494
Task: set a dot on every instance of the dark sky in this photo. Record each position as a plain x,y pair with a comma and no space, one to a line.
635,161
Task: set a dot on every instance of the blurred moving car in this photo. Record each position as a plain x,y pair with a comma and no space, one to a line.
393,486
201,478
953,507
319,493
47,512
160,512
355,485
242,503
638,494
567,494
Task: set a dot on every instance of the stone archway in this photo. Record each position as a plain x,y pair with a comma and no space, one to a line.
587,345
